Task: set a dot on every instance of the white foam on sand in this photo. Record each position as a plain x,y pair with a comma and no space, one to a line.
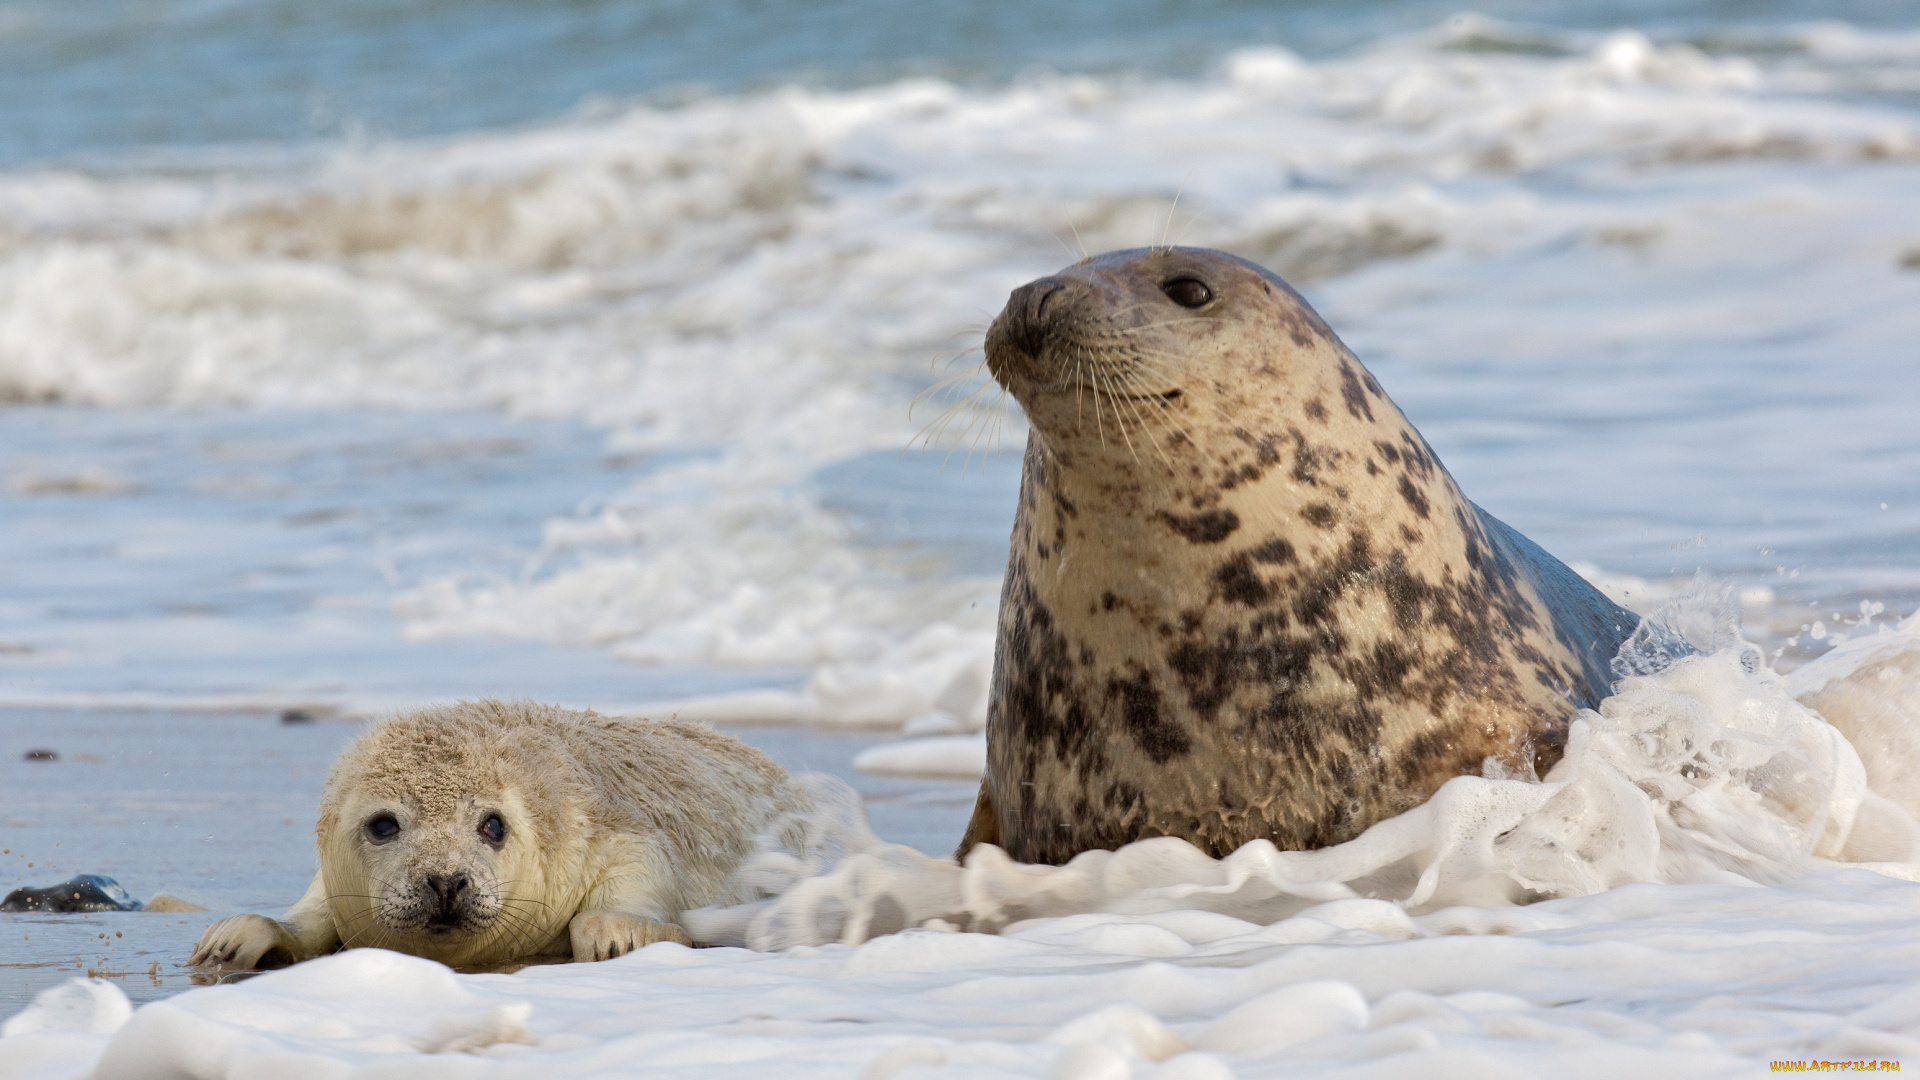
1709,879
744,289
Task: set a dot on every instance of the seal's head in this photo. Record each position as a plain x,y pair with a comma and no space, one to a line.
1128,349
439,837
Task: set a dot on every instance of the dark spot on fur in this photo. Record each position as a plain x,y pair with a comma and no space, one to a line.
1308,461
1319,514
1140,708
1266,454
1233,478
1299,323
1108,601
1353,393
1239,584
1316,411
1414,497
1209,527
1315,594
1409,534
1419,458
1274,552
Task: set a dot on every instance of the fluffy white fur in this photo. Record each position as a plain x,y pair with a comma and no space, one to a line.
612,828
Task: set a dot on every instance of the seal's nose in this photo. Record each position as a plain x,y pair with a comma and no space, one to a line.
1026,313
447,890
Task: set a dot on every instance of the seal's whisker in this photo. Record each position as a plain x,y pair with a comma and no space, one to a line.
1079,399
1150,361
1191,218
1181,190
348,940
946,385
1119,421
981,422
991,429
968,407
933,390
1098,419
1140,418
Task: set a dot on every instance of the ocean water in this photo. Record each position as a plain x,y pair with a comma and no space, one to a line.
359,354
1650,290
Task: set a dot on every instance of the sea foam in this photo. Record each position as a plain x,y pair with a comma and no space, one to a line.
1675,895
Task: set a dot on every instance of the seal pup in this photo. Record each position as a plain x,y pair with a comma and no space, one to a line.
1244,600
487,832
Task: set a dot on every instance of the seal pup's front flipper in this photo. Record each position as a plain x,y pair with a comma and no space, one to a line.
257,943
603,935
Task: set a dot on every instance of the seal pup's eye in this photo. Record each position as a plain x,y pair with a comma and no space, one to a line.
494,829
1188,292
382,827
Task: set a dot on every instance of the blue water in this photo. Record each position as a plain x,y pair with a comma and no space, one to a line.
669,275
84,81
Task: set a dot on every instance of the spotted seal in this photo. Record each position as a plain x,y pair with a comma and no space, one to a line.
1244,599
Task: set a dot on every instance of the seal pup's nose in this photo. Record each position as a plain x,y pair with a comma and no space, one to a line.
447,890
1027,324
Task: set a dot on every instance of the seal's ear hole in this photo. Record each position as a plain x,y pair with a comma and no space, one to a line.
381,828
494,829
1188,292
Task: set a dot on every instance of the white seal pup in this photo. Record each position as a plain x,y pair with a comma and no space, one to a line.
1244,600
487,832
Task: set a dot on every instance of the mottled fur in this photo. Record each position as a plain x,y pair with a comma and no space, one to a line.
613,827
1244,599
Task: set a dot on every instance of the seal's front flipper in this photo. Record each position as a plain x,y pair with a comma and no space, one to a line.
247,943
603,935
985,826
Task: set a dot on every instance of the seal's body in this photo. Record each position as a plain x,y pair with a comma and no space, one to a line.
1244,600
486,833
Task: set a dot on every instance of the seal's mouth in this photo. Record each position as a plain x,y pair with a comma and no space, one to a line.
441,906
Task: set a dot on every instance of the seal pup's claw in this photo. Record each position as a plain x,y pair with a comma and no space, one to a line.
246,942
603,935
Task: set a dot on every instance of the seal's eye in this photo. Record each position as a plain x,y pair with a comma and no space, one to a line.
494,829
1187,292
382,828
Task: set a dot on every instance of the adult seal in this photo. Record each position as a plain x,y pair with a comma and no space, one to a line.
1244,600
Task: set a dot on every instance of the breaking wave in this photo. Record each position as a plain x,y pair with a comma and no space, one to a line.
744,289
